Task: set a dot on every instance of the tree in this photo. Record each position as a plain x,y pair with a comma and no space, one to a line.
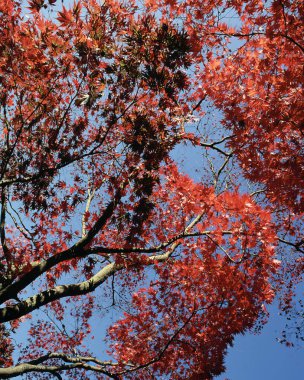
97,209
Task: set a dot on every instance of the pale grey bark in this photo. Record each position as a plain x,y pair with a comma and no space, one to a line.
21,369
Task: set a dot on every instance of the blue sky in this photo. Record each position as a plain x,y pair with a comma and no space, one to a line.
261,357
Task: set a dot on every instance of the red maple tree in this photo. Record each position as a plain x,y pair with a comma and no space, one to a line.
107,109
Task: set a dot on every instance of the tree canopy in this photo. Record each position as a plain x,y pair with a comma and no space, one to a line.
152,168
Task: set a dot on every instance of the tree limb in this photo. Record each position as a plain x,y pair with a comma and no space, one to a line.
61,291
21,369
75,251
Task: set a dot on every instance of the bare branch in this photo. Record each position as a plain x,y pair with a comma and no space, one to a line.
2,224
297,245
25,232
252,34
215,147
89,200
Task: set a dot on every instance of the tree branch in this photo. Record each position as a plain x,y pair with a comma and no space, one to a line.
81,362
2,225
297,245
32,303
260,33
75,251
61,291
21,369
89,200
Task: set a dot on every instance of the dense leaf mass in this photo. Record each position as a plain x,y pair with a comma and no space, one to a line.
151,174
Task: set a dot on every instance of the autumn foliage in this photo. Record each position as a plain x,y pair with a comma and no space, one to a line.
151,183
